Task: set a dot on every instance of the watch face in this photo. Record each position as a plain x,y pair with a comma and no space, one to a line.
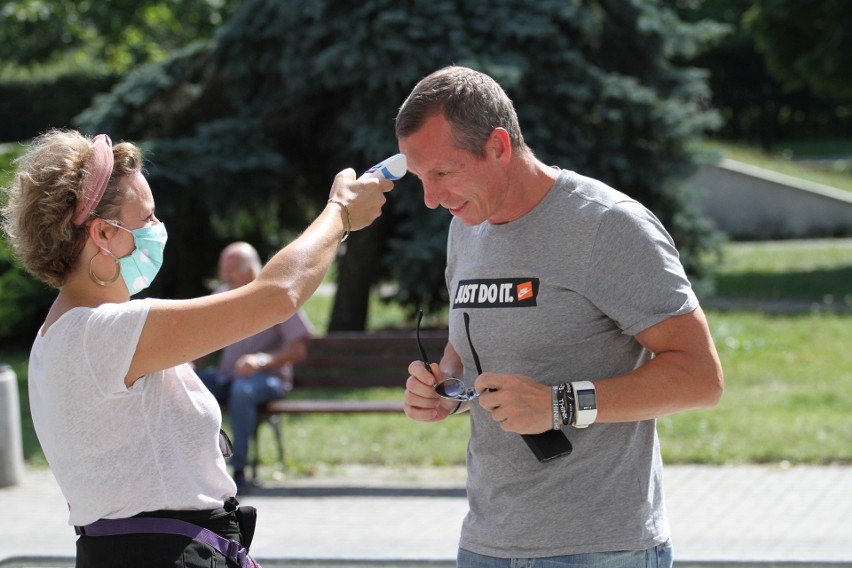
586,399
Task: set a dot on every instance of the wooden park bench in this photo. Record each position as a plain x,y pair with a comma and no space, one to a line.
349,360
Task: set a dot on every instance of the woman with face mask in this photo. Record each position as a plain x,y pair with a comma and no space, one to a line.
130,432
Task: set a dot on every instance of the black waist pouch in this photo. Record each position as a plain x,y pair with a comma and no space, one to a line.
247,518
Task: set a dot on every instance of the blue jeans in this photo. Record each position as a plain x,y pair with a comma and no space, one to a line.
243,396
658,557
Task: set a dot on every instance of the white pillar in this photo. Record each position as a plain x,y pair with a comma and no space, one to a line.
11,445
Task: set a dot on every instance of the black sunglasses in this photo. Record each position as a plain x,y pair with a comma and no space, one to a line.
225,445
423,356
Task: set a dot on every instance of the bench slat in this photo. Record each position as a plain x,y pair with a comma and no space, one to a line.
359,360
341,406
351,382
366,341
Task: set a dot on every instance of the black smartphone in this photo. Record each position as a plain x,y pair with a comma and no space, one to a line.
548,445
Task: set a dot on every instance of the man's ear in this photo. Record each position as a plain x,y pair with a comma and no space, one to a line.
499,146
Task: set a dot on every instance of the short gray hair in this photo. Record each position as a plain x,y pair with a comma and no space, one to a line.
249,258
472,102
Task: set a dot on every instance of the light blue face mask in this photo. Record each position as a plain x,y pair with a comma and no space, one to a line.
139,268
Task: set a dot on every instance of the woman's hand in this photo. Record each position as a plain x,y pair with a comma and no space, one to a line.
363,198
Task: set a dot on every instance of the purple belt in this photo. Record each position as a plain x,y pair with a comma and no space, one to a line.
233,550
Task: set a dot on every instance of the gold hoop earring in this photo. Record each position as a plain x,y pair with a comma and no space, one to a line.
115,276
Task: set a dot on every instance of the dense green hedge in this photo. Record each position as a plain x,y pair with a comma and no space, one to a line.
23,299
31,103
29,106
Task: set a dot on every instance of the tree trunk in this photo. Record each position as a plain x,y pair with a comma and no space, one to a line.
357,271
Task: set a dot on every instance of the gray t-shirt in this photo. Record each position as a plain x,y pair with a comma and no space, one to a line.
558,295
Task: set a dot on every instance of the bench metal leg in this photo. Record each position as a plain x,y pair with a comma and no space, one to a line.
274,421
255,460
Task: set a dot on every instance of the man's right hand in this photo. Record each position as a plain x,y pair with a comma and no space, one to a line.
422,403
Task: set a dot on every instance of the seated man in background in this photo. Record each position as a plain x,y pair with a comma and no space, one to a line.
257,369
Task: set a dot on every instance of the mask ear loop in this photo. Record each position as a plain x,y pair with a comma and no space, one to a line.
115,276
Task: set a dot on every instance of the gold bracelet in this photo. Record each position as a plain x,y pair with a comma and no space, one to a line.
348,219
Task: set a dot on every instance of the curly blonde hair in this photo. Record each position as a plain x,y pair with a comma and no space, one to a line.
43,197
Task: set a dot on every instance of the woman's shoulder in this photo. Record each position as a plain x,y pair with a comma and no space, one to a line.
79,317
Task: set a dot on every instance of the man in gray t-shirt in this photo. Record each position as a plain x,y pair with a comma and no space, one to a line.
260,367
571,314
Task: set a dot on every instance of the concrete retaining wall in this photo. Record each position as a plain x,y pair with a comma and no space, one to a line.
748,202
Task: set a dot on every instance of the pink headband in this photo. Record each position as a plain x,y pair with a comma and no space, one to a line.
100,170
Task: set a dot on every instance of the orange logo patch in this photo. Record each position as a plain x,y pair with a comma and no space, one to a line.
524,290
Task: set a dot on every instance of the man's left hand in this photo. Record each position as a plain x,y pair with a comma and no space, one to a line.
517,402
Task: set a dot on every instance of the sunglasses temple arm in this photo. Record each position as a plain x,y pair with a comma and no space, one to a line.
420,344
470,342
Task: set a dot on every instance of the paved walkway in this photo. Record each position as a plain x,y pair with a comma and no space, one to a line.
753,513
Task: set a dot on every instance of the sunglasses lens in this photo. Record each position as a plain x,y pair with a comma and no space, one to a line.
225,444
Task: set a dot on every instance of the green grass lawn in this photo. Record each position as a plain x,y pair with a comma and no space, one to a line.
818,272
381,315
787,398
788,391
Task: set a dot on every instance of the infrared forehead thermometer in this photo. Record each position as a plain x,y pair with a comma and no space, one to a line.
391,168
